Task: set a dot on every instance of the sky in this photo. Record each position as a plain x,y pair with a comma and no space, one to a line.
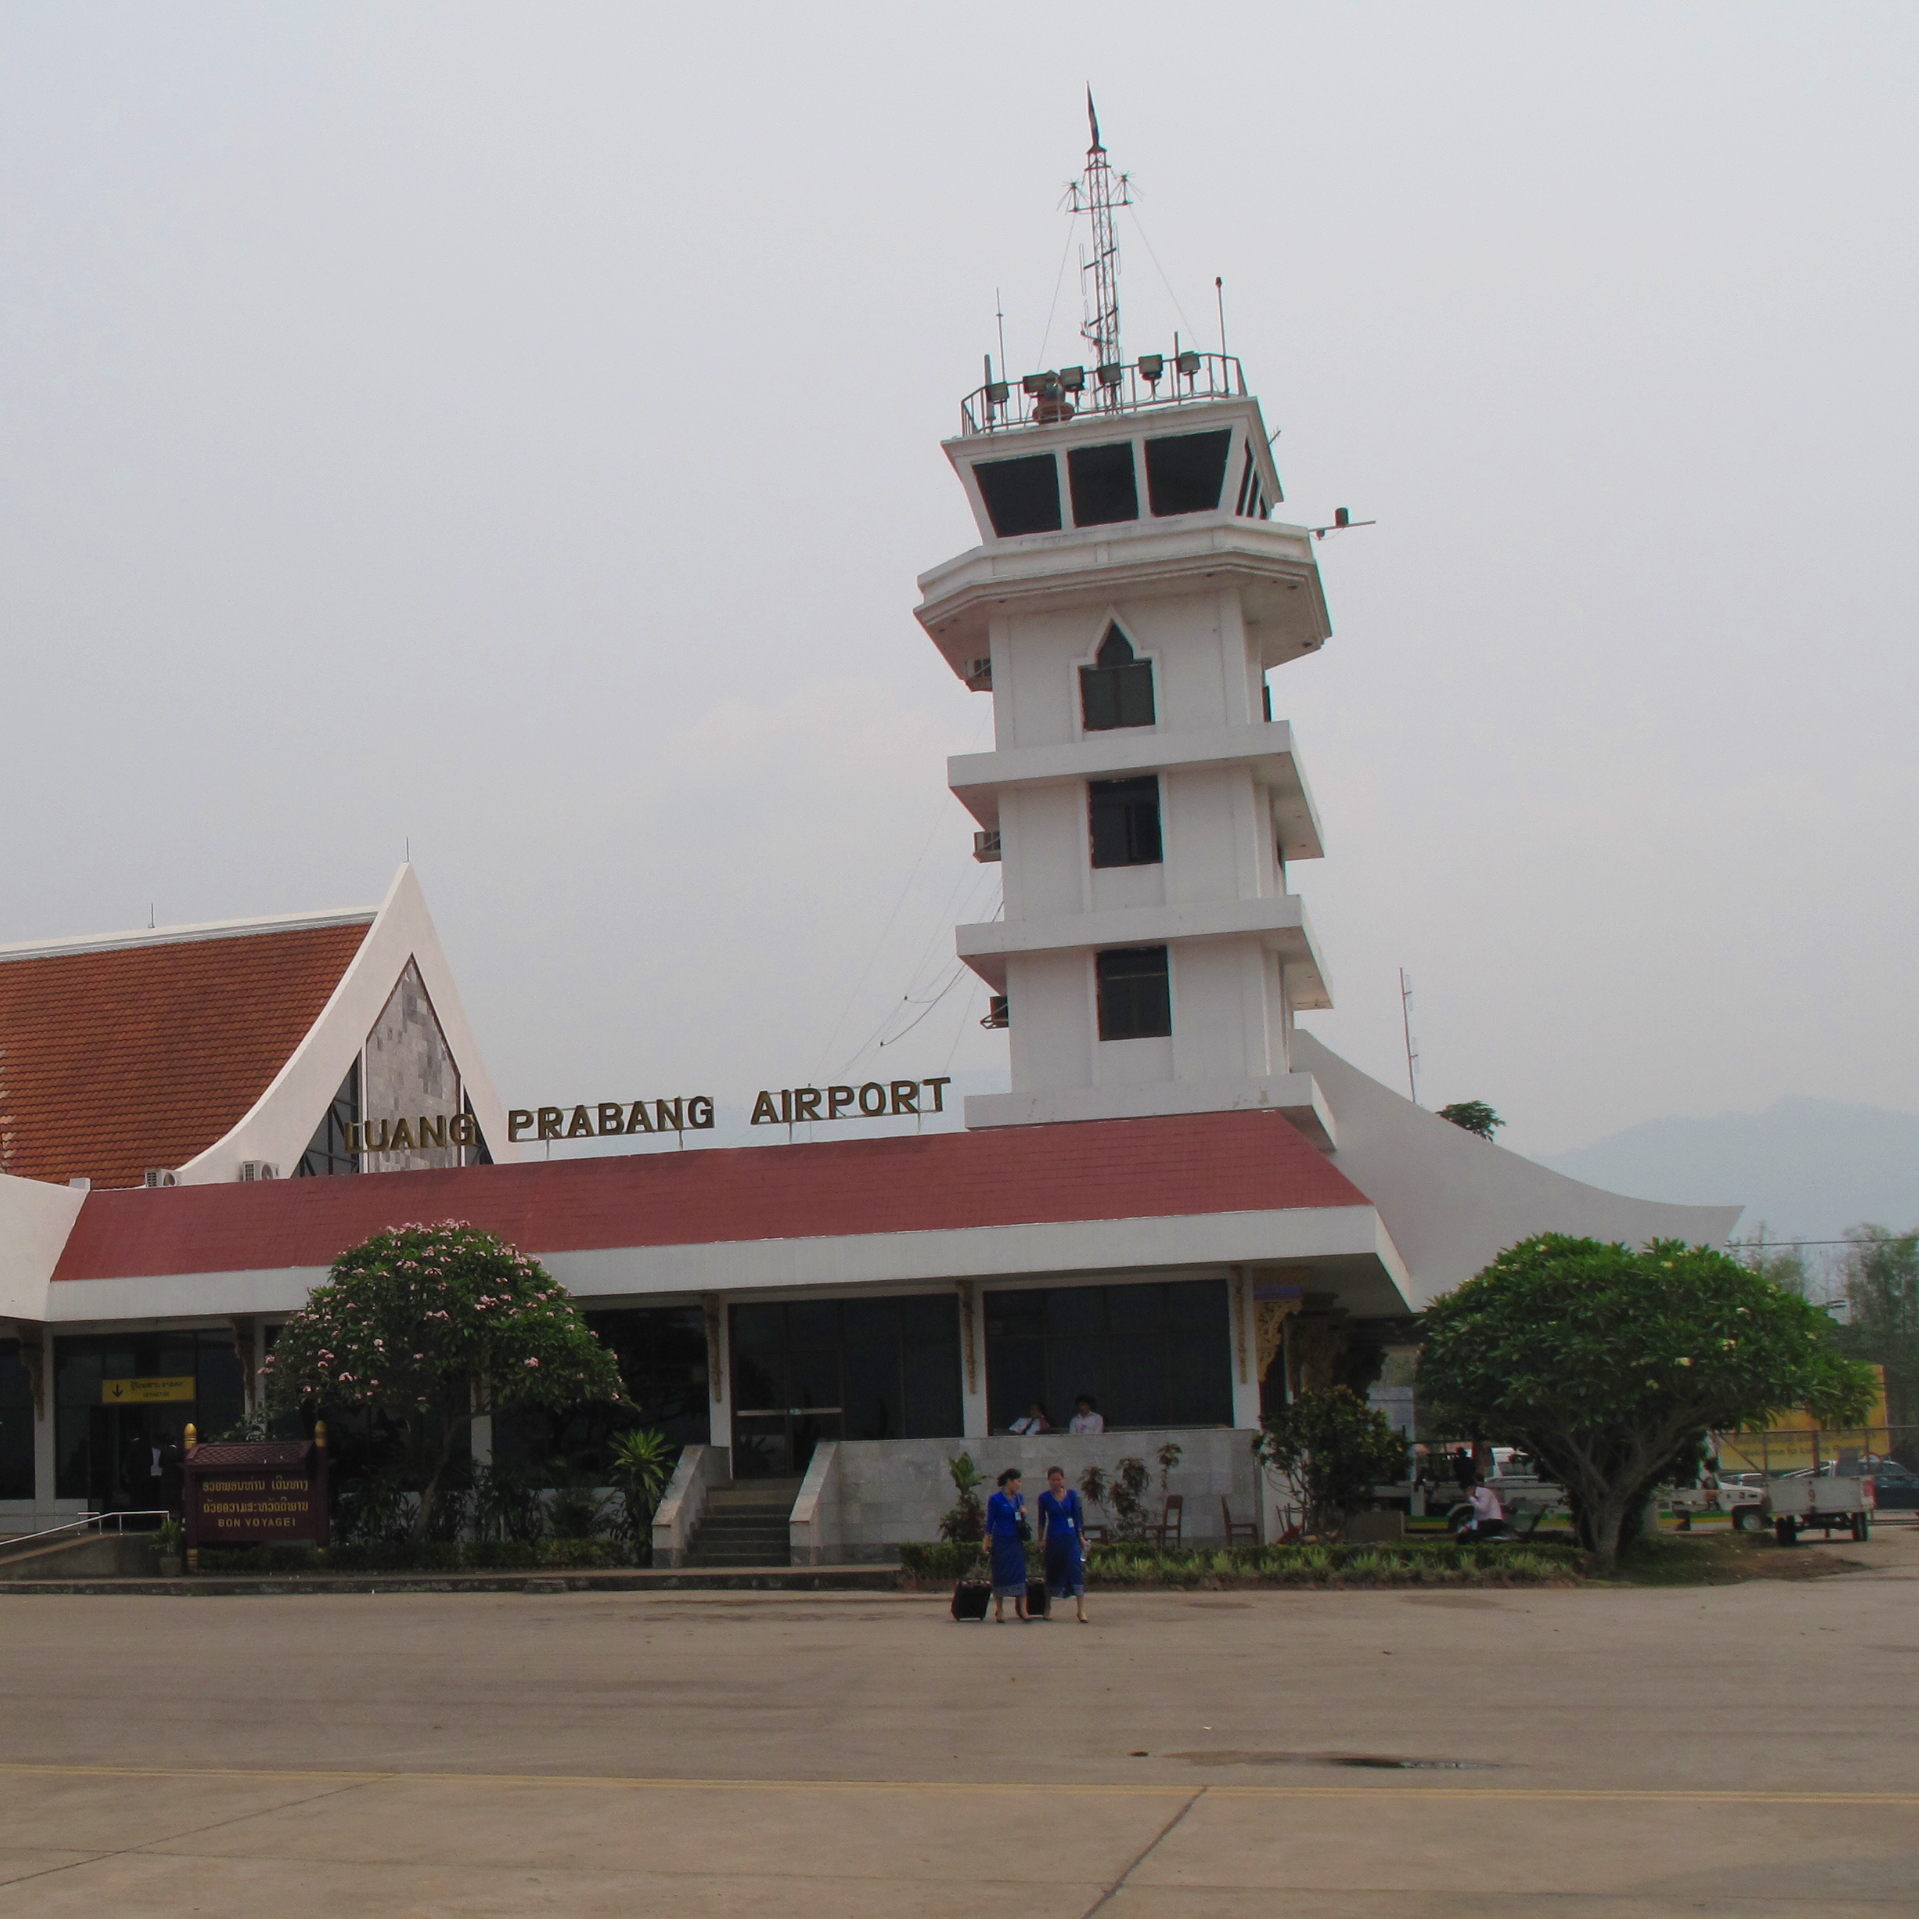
509,435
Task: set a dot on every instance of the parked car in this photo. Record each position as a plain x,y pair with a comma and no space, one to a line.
1895,1486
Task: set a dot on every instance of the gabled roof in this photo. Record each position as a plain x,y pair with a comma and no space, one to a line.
142,1049
1183,1165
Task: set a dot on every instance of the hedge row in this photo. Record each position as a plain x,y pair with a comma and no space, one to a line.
424,1556
1414,1563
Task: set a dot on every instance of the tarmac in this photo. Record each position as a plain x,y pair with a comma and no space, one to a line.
1742,1750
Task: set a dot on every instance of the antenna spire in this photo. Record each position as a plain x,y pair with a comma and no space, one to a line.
1097,193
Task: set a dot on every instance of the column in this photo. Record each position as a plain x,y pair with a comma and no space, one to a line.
719,1376
972,1310
44,1454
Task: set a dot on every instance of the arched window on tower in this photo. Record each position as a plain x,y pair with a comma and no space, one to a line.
1117,689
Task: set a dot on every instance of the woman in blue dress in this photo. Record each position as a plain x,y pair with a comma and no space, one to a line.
1006,1542
1062,1531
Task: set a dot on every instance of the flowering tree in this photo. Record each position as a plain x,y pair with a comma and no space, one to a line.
1610,1366
431,1325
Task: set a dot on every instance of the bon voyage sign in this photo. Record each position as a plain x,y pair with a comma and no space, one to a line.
256,1493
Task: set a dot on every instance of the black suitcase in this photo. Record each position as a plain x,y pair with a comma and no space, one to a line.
1036,1599
971,1597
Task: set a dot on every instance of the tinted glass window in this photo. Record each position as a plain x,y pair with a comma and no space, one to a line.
1104,489
1151,1355
1118,689
892,1366
1022,496
1185,471
16,1424
1124,820
1135,994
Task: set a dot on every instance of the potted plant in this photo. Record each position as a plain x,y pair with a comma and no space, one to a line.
170,1547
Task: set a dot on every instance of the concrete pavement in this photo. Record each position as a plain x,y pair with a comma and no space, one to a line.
1729,1751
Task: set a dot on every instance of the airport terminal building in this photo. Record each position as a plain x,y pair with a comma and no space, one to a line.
1185,1204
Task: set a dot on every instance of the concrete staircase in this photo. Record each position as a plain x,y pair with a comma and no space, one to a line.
745,1525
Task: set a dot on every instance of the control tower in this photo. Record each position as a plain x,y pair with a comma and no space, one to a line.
1127,601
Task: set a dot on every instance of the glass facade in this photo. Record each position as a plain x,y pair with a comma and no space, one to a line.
807,1370
1154,1354
327,1153
662,1357
95,1440
16,1424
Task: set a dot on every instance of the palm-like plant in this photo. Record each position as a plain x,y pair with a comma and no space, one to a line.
643,1462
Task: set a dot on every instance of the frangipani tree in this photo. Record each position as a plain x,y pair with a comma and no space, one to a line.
431,1325
1610,1366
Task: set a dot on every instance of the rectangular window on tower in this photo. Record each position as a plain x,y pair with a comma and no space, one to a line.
1022,496
1123,817
1135,993
1104,489
1185,472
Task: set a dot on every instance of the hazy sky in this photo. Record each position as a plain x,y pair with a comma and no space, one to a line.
516,428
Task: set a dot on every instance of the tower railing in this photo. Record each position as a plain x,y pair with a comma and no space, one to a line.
1080,392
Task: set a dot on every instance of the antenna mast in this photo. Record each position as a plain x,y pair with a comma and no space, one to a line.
1096,193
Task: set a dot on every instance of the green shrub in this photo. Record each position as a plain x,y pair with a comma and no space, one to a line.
941,1560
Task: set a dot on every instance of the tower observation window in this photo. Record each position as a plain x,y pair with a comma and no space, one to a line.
1135,994
1124,816
1117,689
1022,496
1185,471
1104,487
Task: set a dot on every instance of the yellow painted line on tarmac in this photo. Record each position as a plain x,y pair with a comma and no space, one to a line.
1181,1788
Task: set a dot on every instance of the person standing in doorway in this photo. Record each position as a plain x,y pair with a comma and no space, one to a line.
1062,1534
173,1474
1087,1417
1006,1535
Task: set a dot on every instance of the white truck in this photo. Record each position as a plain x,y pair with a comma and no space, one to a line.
1829,1501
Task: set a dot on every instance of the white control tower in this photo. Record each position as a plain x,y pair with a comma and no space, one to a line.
1128,599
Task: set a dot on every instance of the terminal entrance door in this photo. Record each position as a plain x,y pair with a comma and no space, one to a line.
777,1442
786,1385
120,1447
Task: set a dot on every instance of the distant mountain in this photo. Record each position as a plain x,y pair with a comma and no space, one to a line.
1807,1168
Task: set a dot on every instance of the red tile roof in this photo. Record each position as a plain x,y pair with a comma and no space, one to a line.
1018,1175
116,1060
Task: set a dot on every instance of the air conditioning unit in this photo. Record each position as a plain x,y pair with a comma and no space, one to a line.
996,1013
979,676
258,1169
986,848
159,1176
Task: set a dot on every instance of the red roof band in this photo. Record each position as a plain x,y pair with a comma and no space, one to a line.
1191,1163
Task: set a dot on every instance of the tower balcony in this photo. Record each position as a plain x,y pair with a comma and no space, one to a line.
1269,565
1278,923
1266,748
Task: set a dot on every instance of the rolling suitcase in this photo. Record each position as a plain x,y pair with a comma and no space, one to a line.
971,1597
1036,1599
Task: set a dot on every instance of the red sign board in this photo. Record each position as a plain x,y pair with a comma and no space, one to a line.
256,1493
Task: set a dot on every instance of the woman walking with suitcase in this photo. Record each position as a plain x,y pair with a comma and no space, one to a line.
1062,1532
1006,1536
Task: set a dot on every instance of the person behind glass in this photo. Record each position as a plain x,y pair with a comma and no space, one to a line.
1086,1416
1006,1535
1033,1421
1062,1534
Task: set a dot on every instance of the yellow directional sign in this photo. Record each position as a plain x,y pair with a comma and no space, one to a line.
147,1392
